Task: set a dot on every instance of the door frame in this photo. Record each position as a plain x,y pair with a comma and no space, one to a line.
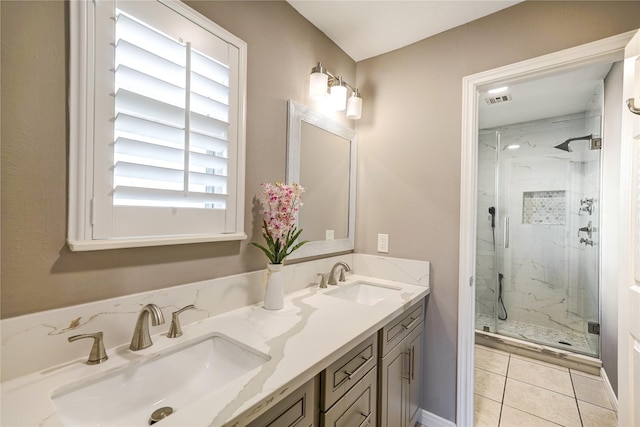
610,49
628,318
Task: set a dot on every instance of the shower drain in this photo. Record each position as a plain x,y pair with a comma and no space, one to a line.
160,414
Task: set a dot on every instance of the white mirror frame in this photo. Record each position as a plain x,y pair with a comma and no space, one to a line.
297,114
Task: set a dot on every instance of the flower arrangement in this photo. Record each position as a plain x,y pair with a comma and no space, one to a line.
280,204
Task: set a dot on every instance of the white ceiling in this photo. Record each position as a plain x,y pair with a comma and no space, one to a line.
557,95
365,28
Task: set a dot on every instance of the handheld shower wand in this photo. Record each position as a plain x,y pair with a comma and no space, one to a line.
492,212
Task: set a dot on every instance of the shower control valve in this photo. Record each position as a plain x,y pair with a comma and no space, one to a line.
586,205
587,242
589,229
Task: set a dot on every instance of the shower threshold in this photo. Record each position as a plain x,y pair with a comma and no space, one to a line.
567,339
567,359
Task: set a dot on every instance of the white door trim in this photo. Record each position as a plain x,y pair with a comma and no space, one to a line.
629,265
606,50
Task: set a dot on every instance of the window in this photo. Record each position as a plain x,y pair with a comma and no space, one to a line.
157,126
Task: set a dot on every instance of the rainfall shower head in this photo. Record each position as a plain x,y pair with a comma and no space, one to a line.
565,145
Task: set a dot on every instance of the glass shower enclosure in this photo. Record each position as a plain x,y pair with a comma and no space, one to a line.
537,270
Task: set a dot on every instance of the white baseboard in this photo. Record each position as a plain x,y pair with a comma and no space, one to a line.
607,384
432,420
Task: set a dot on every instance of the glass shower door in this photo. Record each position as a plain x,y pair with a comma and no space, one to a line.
546,286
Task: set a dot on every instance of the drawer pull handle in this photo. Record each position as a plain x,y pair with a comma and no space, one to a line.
410,325
367,419
350,375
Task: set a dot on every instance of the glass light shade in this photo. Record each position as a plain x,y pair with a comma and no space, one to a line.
339,97
354,107
318,85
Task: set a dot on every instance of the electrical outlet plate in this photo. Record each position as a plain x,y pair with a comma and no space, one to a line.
329,235
383,243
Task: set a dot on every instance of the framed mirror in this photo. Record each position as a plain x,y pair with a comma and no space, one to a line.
322,157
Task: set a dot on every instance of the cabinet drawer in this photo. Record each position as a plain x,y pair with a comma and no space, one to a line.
357,408
297,409
338,378
400,327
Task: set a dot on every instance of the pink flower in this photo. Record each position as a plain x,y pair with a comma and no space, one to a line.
280,203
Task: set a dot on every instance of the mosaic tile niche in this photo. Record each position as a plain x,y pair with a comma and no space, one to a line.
544,207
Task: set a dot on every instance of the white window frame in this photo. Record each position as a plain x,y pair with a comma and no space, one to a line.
81,136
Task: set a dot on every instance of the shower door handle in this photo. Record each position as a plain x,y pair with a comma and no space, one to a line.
506,232
631,104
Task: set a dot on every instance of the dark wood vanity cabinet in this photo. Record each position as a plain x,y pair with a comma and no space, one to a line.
395,383
400,369
375,383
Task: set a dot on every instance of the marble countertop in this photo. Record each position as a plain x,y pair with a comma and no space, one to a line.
307,335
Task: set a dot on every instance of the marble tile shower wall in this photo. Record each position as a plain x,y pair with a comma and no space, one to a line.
550,279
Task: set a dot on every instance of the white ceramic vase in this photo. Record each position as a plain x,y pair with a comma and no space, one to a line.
274,294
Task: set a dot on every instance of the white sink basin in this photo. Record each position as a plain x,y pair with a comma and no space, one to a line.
364,292
129,396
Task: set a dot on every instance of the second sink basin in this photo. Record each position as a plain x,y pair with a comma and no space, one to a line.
364,292
129,396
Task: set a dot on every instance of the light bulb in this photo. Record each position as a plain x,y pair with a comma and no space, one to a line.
318,82
318,85
339,95
354,106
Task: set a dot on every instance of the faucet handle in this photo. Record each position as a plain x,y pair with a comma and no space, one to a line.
175,330
323,280
97,354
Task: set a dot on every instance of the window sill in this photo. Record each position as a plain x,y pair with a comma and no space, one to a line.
100,245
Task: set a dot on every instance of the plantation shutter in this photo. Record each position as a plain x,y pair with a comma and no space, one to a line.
172,145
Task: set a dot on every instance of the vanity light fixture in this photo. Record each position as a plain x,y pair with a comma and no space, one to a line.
323,84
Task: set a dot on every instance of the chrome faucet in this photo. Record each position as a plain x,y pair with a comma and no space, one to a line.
97,354
332,274
141,338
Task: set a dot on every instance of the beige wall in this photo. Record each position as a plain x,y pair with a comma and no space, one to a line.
409,146
38,270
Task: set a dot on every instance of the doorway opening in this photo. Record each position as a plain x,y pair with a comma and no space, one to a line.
538,210
605,51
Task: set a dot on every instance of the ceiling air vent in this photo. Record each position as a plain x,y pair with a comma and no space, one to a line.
498,99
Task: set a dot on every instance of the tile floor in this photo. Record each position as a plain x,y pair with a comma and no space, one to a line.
516,391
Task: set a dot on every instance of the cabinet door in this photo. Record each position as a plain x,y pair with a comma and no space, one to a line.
415,346
297,409
393,377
